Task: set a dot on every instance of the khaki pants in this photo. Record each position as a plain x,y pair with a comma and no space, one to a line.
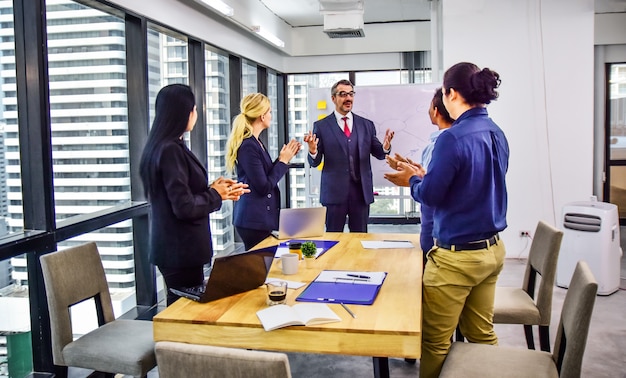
459,288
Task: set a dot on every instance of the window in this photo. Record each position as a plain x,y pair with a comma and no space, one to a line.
218,130
249,83
616,180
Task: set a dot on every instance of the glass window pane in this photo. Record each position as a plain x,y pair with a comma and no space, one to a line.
617,192
167,64
249,83
11,209
218,129
307,178
87,57
377,78
272,132
16,358
617,112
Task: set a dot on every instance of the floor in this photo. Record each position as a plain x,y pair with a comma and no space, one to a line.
605,354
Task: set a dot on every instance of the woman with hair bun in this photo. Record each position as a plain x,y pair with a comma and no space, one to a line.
465,184
256,214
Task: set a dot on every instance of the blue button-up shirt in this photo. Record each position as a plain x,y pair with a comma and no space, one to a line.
465,182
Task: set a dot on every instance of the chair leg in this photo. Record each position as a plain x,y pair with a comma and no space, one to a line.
544,338
459,334
528,331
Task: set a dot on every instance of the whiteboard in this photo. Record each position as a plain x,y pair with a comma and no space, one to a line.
401,108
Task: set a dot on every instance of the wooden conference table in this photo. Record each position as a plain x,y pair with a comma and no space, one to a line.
391,327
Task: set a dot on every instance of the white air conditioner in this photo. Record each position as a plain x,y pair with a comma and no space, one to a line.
591,233
347,24
343,18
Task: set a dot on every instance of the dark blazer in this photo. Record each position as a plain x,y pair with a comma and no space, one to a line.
180,236
332,147
259,209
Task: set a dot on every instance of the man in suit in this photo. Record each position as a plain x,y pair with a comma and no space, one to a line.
345,142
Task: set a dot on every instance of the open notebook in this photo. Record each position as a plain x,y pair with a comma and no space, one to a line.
301,223
232,275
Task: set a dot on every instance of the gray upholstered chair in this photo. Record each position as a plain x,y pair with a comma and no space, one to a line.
530,305
485,361
116,346
192,360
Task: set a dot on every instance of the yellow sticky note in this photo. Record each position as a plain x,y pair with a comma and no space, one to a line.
321,116
321,104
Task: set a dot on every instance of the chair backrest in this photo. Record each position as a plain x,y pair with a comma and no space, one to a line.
542,259
72,276
571,337
191,360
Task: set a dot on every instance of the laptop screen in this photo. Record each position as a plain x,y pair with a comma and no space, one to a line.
238,273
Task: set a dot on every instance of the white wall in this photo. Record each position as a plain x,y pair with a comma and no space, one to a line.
544,54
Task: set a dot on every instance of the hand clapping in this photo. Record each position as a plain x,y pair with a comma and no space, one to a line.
229,189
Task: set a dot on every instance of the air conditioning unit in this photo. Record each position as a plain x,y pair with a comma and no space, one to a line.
343,18
344,25
591,233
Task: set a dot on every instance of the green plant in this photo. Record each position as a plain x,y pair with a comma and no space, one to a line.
309,249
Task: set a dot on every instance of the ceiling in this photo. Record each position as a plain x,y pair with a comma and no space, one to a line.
299,13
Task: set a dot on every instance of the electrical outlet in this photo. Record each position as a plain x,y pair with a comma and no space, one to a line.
524,234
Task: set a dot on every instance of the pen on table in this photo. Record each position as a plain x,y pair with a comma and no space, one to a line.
397,241
358,276
351,279
347,309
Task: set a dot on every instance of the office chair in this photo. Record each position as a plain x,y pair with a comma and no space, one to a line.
116,346
520,305
485,361
191,360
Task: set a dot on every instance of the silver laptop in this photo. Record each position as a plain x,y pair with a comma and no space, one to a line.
232,274
301,223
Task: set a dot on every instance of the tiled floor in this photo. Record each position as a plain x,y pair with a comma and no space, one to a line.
605,354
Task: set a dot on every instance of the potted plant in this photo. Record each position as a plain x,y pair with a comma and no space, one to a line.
309,249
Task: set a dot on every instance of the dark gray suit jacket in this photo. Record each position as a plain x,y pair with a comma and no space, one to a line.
332,148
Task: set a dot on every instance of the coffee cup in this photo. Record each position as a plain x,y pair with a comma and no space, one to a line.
276,292
289,263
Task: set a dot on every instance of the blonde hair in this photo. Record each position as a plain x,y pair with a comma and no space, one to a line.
252,106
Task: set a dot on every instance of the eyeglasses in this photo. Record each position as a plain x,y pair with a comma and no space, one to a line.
343,94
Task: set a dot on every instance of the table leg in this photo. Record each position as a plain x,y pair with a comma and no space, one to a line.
381,367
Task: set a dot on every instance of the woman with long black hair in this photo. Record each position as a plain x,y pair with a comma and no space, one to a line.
176,185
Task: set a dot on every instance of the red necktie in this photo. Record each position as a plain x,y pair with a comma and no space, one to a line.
346,129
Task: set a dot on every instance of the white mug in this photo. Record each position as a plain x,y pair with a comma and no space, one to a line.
289,263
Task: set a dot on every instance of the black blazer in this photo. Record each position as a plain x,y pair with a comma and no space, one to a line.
181,201
332,148
259,209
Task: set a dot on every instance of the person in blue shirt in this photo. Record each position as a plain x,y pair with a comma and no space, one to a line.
465,184
439,117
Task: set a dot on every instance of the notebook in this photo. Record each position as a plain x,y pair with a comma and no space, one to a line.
301,223
232,275
348,287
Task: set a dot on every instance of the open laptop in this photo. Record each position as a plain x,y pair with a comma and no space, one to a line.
301,223
232,275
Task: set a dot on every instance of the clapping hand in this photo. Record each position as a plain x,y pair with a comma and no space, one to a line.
393,161
229,189
289,150
403,173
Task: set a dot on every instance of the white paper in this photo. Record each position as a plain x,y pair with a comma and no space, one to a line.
349,276
382,244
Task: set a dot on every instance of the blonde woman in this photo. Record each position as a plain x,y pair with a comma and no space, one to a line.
256,214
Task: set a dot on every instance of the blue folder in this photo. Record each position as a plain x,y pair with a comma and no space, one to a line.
340,292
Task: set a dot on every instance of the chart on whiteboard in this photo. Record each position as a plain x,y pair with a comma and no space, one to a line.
401,108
